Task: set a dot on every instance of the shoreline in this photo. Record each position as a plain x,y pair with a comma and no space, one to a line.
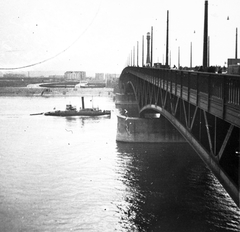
51,92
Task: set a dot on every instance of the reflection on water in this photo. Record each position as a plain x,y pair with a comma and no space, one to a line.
165,187
73,120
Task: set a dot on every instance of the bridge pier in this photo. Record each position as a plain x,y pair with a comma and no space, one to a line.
127,100
131,128
127,105
146,130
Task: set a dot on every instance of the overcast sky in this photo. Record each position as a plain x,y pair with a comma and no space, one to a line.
98,35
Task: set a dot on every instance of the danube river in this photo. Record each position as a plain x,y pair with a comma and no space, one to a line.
70,174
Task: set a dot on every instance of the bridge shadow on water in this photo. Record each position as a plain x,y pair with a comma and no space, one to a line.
168,188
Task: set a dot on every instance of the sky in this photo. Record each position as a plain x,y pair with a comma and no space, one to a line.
99,35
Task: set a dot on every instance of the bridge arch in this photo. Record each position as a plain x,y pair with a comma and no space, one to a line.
150,109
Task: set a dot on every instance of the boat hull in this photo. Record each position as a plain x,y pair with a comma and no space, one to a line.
77,113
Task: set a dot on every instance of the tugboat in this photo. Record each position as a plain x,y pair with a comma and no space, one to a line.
72,111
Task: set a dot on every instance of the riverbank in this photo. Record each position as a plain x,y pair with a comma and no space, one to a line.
51,92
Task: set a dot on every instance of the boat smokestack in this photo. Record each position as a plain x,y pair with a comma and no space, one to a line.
205,37
83,107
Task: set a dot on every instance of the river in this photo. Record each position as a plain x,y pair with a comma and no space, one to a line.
70,174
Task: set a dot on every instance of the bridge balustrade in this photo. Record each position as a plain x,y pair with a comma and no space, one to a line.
218,85
199,88
233,84
178,83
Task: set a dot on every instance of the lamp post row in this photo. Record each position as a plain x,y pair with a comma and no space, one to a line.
149,38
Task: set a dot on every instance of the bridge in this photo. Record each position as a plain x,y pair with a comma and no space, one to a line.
203,107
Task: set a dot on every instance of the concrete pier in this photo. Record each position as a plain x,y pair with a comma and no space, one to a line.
154,130
127,105
122,99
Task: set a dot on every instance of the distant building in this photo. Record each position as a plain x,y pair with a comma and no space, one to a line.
99,76
56,76
75,75
234,66
233,62
14,75
111,79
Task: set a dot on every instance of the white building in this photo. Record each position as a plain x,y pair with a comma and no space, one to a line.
75,75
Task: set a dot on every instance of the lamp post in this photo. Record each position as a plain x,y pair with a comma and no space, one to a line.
137,53
148,62
236,49
167,38
205,37
142,50
179,57
151,46
191,55
133,56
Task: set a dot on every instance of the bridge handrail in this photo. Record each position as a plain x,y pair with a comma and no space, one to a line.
219,85
223,87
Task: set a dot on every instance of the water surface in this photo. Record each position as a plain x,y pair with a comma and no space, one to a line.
70,174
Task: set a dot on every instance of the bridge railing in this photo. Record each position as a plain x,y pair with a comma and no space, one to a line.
199,88
222,86
234,91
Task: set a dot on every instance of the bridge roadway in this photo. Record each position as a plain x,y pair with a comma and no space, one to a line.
205,109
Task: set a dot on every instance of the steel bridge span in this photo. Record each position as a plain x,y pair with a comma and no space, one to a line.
205,109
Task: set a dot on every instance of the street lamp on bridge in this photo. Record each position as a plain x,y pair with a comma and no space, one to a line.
148,62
